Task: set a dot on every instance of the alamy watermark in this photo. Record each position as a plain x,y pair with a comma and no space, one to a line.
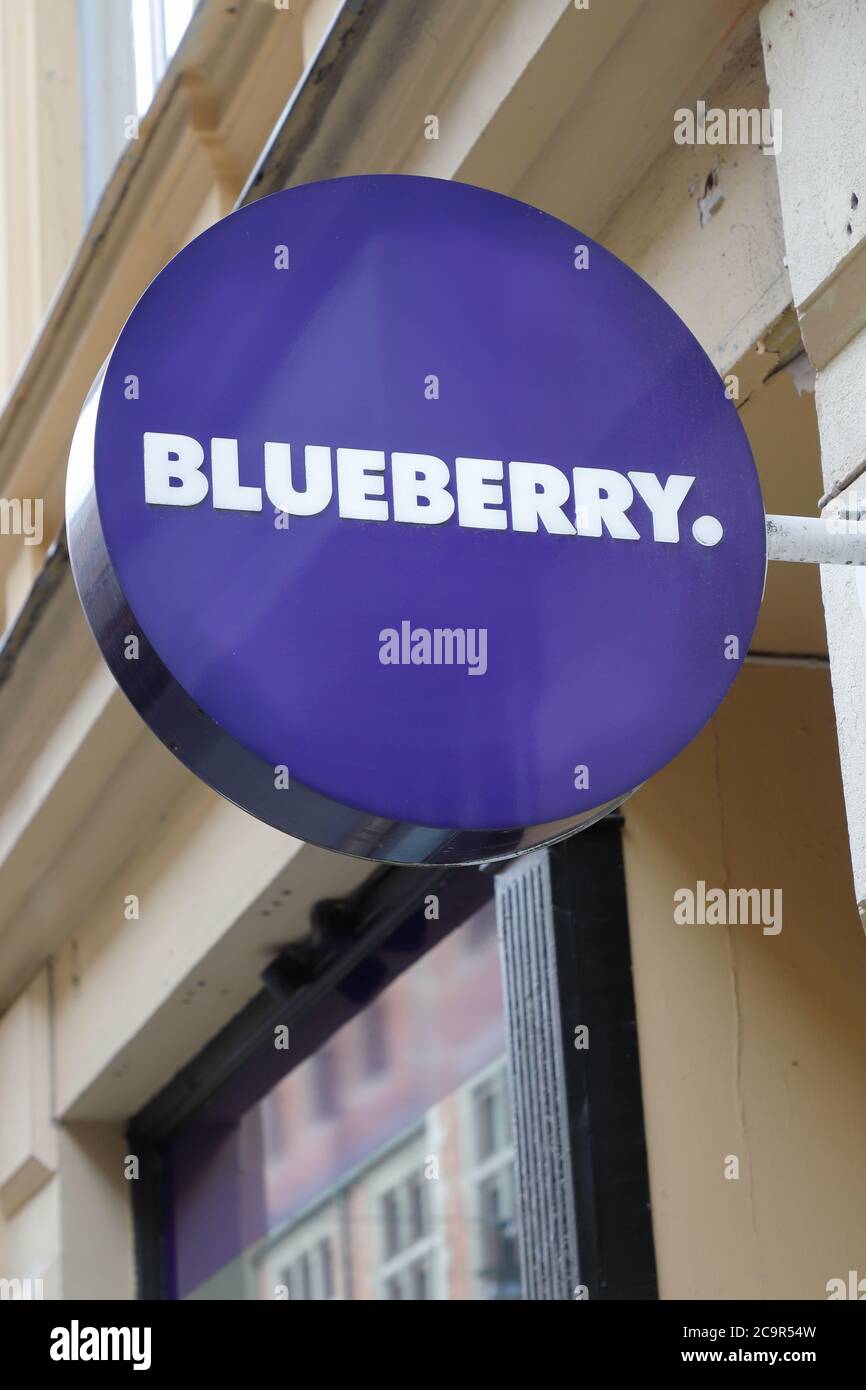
22,516
737,126
850,517
77,1343
21,1290
438,646
852,1287
716,907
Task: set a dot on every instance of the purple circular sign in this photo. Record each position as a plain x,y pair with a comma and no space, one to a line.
431,522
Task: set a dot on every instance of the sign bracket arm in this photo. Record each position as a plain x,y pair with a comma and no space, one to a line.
813,540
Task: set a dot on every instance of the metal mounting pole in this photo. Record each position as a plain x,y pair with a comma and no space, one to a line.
837,539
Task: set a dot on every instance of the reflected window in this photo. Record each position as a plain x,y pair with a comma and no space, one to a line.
380,1167
391,1224
375,1039
323,1079
326,1259
417,1208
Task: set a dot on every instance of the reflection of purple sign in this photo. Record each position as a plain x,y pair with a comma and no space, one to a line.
435,528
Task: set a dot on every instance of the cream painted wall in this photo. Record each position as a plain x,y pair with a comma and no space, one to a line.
30,1241
816,64
136,998
96,1241
752,1044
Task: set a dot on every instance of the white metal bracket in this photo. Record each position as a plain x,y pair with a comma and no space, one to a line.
835,539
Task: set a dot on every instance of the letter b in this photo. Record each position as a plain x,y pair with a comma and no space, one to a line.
172,476
417,476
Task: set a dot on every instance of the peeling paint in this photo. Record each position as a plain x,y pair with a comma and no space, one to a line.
802,373
713,197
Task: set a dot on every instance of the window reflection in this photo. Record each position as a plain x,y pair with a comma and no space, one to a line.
383,1164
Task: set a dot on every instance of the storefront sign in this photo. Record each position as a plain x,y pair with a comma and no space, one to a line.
413,521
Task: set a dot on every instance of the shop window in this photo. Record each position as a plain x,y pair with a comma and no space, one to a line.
323,1187
270,1173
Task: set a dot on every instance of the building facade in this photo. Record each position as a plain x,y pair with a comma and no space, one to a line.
236,1066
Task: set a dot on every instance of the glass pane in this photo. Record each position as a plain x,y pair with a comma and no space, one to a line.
380,1167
